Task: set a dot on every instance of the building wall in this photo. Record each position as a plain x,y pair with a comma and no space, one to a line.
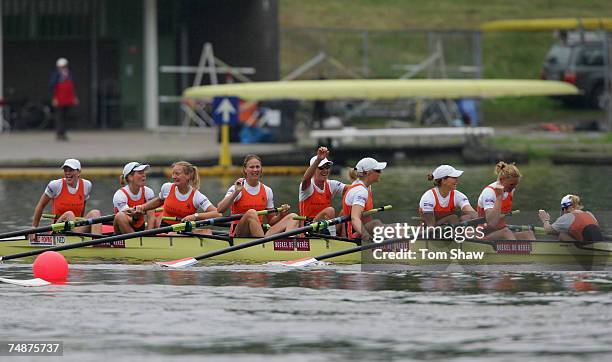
103,39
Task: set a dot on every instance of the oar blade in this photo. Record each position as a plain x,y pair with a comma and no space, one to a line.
13,238
37,282
300,262
177,264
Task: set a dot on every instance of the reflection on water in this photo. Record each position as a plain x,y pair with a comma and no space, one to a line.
333,277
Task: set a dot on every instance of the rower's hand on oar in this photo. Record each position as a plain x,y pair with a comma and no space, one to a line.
544,216
285,209
191,217
135,212
363,236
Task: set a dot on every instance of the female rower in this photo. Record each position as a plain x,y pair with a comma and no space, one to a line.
181,198
573,224
316,190
437,205
133,193
496,200
69,195
358,198
247,196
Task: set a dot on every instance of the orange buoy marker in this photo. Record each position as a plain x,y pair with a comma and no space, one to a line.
50,266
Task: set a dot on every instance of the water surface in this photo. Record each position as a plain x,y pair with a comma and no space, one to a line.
325,313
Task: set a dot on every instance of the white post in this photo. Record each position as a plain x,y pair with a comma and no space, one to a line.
151,91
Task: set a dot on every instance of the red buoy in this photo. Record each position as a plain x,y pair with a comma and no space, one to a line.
50,266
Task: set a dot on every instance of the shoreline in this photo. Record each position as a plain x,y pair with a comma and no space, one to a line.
38,154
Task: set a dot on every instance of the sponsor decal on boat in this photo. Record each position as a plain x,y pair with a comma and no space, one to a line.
404,245
48,240
292,245
113,244
513,247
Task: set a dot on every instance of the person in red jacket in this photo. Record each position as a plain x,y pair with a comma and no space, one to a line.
63,96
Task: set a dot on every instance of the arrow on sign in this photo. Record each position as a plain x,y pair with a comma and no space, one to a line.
226,109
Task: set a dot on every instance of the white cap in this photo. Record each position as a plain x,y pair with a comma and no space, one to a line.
133,166
61,62
566,201
72,163
369,164
446,171
322,163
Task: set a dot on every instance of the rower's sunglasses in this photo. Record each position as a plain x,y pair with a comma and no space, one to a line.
377,171
325,166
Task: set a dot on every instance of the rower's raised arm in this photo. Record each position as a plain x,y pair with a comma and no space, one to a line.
322,153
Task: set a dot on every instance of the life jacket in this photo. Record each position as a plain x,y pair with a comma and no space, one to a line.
247,202
66,201
585,227
133,203
174,207
316,202
439,211
346,209
505,209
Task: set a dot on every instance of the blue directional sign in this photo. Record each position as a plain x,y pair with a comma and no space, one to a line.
226,110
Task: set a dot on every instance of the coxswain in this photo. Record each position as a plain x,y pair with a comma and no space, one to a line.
574,224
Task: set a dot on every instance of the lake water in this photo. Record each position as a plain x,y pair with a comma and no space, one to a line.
325,313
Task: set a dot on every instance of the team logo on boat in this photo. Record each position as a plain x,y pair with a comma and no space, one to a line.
513,247
299,244
42,240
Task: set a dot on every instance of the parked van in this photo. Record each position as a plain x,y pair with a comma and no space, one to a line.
578,58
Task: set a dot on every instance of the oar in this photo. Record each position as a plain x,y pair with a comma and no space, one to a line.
319,225
308,261
356,249
538,230
535,229
482,220
55,216
174,218
60,226
479,220
186,226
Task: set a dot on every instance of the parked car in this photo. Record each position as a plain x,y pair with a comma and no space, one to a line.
580,62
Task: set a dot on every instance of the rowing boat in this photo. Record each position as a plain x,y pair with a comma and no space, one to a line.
164,247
